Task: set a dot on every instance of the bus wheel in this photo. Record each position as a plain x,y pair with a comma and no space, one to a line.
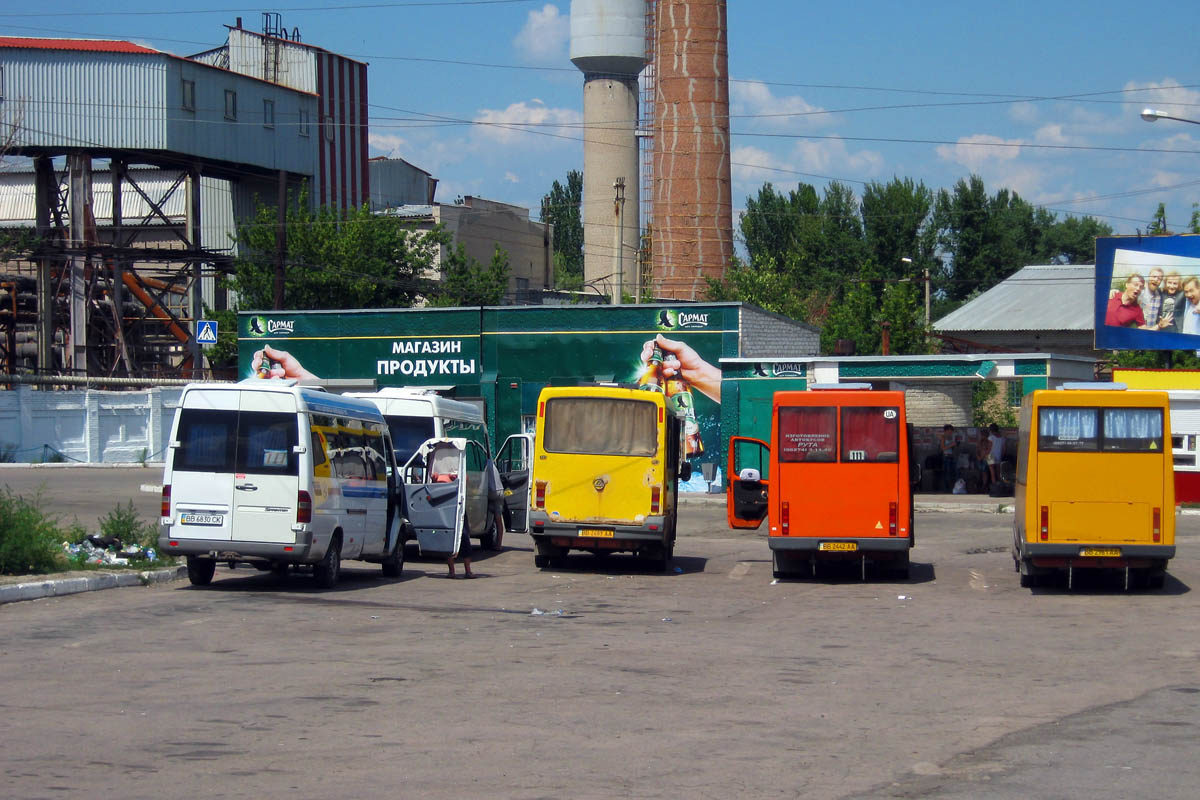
900,567
1028,578
279,569
776,568
1155,578
327,570
201,570
540,561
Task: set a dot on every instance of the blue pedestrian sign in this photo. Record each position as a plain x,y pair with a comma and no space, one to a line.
206,333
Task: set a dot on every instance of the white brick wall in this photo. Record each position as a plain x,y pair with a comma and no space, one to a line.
935,404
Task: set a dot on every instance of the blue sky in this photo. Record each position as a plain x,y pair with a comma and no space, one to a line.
1042,98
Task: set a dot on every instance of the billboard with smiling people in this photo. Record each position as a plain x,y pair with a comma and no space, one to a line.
1148,293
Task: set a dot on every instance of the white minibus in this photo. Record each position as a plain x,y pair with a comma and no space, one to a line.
276,475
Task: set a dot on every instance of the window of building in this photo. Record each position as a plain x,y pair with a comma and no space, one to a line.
230,104
303,122
188,95
268,113
327,128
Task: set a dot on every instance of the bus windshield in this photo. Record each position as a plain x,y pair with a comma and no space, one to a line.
601,426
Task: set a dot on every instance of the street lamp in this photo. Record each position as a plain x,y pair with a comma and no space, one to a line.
1154,115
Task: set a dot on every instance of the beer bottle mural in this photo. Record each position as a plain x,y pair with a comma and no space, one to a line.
652,375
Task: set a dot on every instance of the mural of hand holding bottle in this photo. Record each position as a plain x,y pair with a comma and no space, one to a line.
674,368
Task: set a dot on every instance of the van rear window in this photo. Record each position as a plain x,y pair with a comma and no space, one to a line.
258,442
808,433
601,426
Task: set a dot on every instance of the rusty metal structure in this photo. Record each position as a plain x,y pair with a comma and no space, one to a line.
690,227
113,290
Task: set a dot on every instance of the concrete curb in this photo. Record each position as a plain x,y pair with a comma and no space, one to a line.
52,587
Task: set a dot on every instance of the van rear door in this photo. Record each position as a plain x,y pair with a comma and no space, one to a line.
202,465
436,495
513,463
266,476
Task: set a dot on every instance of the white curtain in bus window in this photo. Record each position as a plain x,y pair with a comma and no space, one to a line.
870,434
601,426
1068,429
808,433
1138,430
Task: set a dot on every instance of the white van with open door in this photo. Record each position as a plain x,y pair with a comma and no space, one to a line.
279,476
415,417
435,492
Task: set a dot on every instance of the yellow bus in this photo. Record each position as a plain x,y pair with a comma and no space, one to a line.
606,465
1094,486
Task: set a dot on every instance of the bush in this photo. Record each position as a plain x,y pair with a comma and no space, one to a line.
124,523
30,541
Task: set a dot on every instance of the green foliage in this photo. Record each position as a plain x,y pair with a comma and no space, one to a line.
16,243
469,283
8,453
1158,227
30,541
985,238
224,354
124,523
1156,359
335,259
990,405
561,207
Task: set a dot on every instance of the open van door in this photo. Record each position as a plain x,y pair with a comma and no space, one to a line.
747,482
435,489
513,462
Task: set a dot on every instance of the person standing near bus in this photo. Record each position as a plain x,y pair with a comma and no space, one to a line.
495,489
995,452
948,443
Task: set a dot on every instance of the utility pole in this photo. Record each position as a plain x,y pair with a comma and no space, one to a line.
619,214
927,300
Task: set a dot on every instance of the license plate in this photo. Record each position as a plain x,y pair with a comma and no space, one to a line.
202,519
596,533
843,547
1101,552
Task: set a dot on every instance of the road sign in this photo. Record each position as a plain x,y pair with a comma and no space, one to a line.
206,332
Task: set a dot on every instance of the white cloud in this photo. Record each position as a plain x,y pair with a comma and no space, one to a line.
509,125
1054,133
1024,112
755,100
831,157
386,144
973,152
544,35
755,164
512,177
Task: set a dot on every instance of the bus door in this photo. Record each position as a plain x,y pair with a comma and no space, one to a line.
747,482
436,494
513,462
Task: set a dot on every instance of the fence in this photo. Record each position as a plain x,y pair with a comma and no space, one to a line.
86,425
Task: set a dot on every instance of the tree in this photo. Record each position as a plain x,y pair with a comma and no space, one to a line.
895,220
562,208
1070,241
1158,226
986,238
469,283
335,259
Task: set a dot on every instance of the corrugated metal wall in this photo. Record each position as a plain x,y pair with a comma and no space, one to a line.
62,98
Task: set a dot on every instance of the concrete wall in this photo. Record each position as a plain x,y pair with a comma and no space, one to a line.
87,425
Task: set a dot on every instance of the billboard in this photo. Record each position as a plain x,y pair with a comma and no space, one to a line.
1147,293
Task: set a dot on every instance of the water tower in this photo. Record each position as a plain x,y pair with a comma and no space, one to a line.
608,43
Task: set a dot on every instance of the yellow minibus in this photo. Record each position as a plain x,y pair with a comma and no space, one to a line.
606,465
1094,487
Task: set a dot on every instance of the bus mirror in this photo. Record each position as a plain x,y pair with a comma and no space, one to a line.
685,471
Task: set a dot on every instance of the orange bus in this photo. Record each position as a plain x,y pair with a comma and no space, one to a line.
833,483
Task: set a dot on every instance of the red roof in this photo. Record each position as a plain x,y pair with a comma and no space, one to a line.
88,45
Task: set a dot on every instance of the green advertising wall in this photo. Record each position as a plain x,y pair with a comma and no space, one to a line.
502,354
